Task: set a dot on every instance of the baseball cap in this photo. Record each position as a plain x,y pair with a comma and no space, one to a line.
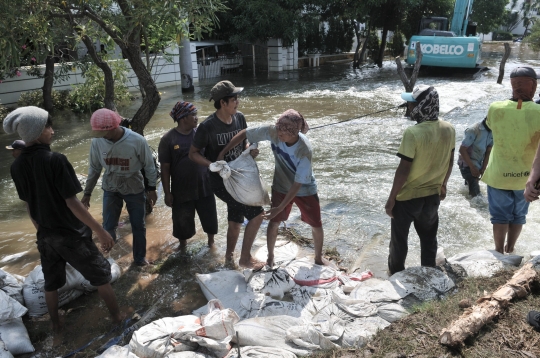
104,120
18,144
224,89
413,96
524,72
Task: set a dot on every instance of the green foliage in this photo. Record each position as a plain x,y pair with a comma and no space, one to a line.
3,112
311,38
488,14
502,36
372,45
339,37
397,45
61,99
534,37
89,96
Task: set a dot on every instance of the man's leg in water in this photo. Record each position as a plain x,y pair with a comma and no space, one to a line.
51,298
107,295
271,236
233,231
249,236
318,238
499,236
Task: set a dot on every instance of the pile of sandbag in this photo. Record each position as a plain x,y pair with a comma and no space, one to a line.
14,337
76,285
484,263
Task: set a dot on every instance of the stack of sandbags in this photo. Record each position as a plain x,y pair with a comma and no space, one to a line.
76,285
12,285
12,330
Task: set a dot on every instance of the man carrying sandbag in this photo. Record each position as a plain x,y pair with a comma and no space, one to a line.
46,181
211,137
293,177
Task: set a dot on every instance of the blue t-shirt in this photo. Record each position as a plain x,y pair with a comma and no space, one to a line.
477,139
293,164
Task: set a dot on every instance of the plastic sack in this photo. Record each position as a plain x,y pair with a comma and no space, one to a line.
15,336
10,308
272,282
484,262
117,352
260,352
242,179
4,353
12,286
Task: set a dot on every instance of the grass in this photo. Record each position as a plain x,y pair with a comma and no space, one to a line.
417,334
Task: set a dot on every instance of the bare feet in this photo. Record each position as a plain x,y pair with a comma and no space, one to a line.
322,261
251,263
507,250
210,240
182,245
270,260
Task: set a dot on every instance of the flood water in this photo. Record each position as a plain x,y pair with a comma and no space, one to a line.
353,162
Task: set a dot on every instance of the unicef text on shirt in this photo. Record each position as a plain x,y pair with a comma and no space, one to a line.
455,50
516,175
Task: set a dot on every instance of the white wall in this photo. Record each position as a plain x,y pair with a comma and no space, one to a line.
164,73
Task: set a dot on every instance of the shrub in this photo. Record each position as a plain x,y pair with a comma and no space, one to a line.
61,99
3,112
397,44
502,36
372,45
90,95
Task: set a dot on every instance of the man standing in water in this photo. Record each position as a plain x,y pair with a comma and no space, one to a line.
46,181
515,124
123,153
212,136
427,156
190,189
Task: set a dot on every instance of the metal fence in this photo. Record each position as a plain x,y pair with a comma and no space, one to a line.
249,57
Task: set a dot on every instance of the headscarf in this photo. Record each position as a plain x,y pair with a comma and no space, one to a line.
181,110
427,108
523,88
293,122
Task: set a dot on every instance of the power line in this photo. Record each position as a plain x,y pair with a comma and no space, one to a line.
362,116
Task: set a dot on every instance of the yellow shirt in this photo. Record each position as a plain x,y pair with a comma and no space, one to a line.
429,146
516,134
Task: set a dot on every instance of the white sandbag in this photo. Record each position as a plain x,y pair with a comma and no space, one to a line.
260,352
227,286
187,355
15,336
272,282
4,353
376,290
350,281
284,251
353,306
155,339
265,306
484,263
219,322
440,258
359,331
426,283
391,312
311,298
117,352
12,286
116,272
10,308
242,179
309,337
306,273
268,332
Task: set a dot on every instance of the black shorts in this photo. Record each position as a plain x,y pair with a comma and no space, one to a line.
183,216
235,210
79,252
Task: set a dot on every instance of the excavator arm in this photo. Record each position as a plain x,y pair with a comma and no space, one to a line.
460,20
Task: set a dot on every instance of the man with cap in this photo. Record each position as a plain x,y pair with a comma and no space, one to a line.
427,156
515,124
211,137
123,153
190,189
16,148
46,181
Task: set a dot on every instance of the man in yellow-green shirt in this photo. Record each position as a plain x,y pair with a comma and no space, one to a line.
427,155
515,124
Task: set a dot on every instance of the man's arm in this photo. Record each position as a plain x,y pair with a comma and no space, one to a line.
270,214
236,140
442,195
80,211
149,172
531,192
402,173
486,160
166,181
94,171
467,159
196,156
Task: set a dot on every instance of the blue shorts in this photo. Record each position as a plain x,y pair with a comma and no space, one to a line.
507,206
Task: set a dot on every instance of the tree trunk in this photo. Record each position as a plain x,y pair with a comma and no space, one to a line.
146,82
488,307
503,62
356,60
107,72
383,46
48,81
364,46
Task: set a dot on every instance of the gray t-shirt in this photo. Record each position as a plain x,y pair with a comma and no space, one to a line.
293,164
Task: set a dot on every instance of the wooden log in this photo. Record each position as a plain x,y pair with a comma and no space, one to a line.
409,83
488,307
503,62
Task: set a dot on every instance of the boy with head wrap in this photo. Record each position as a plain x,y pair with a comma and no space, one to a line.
47,183
427,157
293,176
515,124
186,184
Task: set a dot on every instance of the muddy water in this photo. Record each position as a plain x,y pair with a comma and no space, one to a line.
354,162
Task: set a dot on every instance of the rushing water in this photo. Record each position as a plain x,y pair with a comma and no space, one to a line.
353,162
